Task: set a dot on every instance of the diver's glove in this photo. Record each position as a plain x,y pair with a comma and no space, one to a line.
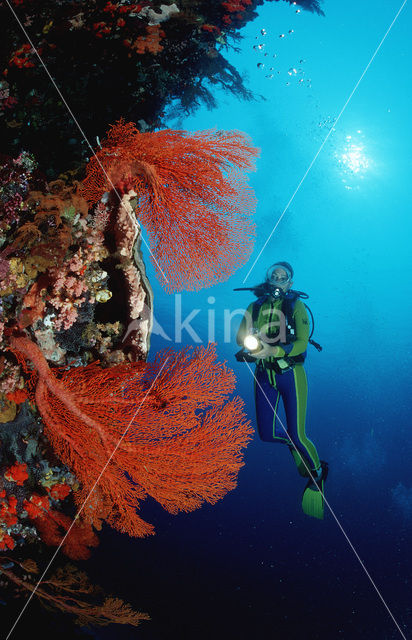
267,351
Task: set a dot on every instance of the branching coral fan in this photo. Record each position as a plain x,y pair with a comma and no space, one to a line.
70,591
173,451
194,200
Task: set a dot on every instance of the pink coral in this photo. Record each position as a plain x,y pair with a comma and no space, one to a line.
95,233
15,176
10,375
127,228
67,289
67,315
76,262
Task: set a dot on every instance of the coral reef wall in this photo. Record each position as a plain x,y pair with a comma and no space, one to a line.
89,428
111,60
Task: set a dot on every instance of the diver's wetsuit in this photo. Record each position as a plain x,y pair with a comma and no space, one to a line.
291,386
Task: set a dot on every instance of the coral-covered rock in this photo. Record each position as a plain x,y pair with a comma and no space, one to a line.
8,515
18,396
17,473
6,541
36,506
59,491
47,342
8,409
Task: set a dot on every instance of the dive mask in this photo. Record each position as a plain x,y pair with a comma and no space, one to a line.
278,277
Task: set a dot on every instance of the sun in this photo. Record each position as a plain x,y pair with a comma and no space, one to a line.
353,160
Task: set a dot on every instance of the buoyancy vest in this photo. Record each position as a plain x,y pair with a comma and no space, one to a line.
287,307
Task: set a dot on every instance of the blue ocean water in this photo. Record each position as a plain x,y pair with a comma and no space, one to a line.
254,566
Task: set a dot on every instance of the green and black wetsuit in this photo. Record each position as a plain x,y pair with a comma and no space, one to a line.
290,385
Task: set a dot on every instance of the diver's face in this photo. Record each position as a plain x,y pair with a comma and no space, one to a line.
280,279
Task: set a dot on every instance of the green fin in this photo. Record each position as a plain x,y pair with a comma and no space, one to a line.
313,503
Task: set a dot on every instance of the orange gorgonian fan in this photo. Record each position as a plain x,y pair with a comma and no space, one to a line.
193,198
182,436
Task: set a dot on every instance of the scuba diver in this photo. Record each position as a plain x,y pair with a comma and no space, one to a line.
274,333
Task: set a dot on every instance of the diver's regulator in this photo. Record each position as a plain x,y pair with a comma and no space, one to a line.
276,292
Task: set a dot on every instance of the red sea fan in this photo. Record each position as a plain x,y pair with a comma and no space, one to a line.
194,200
52,526
182,436
77,545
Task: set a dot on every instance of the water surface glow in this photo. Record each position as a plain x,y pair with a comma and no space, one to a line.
353,160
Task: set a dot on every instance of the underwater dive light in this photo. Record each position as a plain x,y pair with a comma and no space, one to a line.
251,342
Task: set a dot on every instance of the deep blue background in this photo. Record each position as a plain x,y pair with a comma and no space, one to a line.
253,565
